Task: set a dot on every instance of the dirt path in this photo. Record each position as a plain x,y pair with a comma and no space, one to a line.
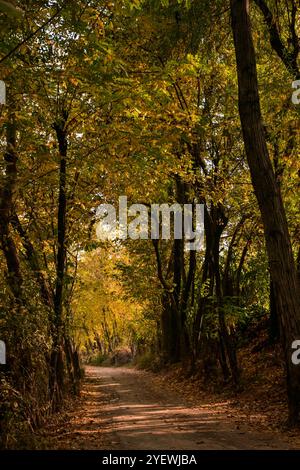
123,408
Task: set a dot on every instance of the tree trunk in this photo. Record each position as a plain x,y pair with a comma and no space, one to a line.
281,261
227,339
274,326
14,277
57,361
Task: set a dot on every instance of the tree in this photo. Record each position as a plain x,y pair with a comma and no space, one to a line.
282,266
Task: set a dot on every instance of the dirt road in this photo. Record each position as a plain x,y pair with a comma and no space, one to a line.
123,408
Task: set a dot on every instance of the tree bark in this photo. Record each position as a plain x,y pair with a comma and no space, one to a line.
60,128
14,276
57,361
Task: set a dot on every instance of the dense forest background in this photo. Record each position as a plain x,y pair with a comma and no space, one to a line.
162,102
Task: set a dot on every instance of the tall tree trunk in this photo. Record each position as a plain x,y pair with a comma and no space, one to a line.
57,369
227,341
207,274
14,276
281,261
60,128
